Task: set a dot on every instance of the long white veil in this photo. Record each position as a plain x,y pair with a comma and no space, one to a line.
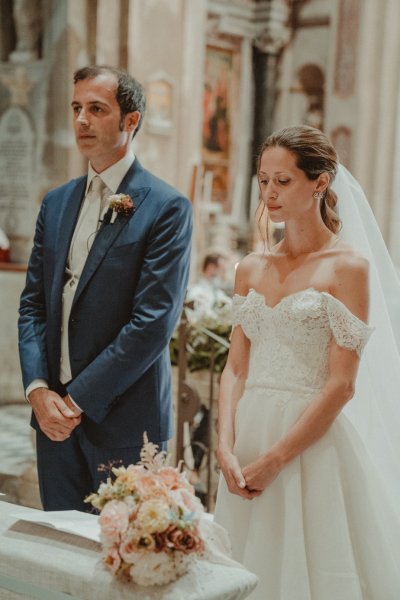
375,408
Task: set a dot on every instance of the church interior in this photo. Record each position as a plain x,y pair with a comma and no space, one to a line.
219,75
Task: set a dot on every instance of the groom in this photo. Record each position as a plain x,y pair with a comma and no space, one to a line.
103,293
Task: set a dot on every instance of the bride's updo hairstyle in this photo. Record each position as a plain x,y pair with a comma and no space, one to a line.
314,155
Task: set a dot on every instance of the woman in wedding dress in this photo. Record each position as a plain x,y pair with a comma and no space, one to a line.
307,507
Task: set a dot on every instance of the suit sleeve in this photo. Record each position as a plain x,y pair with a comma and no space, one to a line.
156,308
32,312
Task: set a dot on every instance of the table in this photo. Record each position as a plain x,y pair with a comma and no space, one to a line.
43,563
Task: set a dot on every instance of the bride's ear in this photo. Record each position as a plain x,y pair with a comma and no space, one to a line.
323,182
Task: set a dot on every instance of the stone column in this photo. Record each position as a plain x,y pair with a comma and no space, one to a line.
377,114
108,37
243,158
267,47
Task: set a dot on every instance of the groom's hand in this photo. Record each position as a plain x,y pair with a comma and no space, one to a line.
73,407
55,418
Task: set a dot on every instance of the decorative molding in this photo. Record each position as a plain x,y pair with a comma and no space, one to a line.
308,22
19,84
276,32
300,22
266,23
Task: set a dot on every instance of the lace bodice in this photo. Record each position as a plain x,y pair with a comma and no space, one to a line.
290,341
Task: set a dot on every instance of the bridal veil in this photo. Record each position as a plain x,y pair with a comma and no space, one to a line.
375,408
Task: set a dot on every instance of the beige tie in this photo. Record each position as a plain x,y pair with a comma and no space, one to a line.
86,227
82,240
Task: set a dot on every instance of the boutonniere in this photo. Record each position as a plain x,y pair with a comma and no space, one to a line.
118,204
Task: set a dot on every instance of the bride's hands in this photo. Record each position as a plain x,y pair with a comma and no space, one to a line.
261,473
233,474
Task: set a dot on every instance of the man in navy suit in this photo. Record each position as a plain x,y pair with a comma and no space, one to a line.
103,294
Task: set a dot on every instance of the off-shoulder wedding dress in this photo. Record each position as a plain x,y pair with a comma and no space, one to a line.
327,528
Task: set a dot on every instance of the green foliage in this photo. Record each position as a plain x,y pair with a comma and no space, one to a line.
207,340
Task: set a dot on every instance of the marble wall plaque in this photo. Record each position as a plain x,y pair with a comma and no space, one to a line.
16,176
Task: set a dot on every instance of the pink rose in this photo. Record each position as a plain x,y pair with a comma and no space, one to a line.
129,551
184,540
171,478
114,520
148,486
112,560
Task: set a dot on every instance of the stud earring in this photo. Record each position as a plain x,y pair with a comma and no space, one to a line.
318,195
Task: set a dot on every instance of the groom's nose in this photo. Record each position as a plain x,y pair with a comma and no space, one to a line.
82,117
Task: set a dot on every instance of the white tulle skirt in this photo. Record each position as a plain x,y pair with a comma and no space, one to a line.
325,529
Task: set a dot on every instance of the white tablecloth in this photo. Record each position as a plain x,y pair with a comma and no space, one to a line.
39,562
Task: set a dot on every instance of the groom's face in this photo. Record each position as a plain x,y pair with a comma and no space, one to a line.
101,134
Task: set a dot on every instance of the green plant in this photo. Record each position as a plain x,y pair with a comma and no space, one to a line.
207,337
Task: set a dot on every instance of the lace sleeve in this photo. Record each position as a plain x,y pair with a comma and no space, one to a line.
237,303
348,330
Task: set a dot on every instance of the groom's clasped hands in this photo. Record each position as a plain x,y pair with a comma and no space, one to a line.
57,416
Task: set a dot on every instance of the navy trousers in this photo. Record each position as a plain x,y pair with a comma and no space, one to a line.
71,470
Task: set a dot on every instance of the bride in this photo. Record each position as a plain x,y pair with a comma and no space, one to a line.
309,453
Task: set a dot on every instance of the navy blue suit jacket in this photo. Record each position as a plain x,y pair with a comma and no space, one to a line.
125,308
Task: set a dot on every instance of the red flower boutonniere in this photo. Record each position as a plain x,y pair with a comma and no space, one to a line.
118,204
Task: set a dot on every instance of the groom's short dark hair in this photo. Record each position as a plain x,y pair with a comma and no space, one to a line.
130,93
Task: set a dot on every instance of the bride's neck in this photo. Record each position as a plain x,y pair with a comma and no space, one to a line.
305,240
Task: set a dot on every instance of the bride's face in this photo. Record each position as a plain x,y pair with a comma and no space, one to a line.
285,189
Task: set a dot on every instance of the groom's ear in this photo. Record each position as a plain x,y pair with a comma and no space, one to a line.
132,120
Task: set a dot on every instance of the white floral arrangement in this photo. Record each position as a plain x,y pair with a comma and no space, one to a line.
149,520
219,314
208,332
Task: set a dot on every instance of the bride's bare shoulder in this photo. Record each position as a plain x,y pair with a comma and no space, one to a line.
348,258
246,270
350,266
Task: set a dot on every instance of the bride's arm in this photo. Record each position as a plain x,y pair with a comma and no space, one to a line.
232,383
352,290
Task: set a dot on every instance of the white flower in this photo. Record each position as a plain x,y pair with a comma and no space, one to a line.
153,515
116,204
153,568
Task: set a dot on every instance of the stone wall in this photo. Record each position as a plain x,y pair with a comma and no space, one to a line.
11,284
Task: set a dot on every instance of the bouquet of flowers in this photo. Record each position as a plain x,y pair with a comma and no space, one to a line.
149,520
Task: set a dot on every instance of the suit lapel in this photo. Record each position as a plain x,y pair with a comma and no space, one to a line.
109,233
65,229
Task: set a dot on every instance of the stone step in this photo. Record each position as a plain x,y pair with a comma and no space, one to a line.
18,477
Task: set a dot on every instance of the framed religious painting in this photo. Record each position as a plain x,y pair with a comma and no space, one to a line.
218,97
